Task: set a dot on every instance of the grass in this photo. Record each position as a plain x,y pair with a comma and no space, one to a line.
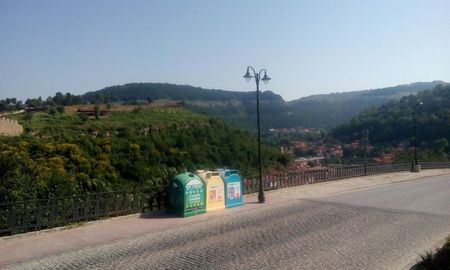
138,118
439,260
153,116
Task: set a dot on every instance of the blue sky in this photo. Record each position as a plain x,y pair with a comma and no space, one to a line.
308,47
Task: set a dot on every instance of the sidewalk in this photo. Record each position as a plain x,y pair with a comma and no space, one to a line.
34,245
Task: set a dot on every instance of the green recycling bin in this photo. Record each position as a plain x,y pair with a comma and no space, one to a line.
186,193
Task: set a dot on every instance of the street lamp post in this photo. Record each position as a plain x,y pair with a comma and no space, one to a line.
418,103
257,75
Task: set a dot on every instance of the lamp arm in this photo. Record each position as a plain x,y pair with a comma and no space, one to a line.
262,71
254,72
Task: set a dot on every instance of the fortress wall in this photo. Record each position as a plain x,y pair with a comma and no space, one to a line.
10,127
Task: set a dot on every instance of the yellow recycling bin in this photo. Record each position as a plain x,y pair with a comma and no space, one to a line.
215,192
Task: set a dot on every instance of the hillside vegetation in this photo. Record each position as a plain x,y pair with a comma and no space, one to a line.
392,124
239,108
330,110
68,153
327,110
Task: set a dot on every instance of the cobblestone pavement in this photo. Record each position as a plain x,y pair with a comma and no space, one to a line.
297,234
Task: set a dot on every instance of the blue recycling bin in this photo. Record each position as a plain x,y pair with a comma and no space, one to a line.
233,187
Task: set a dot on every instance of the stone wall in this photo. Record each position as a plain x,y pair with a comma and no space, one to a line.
10,127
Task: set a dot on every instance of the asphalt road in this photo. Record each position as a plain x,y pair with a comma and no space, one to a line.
430,195
378,228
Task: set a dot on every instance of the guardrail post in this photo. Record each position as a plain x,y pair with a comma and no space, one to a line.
74,210
86,207
25,218
125,202
134,198
159,199
12,218
38,216
52,216
63,211
142,199
97,206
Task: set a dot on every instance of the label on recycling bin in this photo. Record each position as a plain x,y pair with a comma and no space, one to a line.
194,195
215,192
234,190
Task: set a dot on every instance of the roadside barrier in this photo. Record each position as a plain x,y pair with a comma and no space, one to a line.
35,215
298,178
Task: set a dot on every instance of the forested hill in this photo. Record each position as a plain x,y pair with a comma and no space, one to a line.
392,123
328,110
155,91
233,106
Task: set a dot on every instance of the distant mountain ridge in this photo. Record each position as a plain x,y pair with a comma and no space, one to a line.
324,110
340,107
392,123
400,90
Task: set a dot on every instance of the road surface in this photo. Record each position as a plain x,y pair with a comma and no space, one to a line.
383,227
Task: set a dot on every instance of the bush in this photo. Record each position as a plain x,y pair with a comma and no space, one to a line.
60,109
439,260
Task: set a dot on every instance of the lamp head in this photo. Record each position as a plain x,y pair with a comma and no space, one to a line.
266,78
247,75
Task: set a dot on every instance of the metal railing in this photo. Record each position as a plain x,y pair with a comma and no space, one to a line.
35,215
297,178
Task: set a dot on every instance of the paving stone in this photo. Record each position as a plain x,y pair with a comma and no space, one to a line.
299,234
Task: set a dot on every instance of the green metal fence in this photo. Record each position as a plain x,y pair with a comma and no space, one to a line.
297,178
20,217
